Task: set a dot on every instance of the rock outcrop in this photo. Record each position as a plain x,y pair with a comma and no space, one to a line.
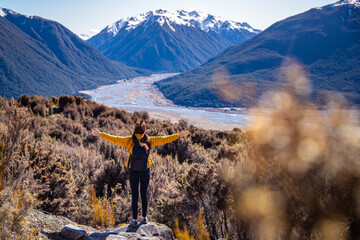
154,231
57,227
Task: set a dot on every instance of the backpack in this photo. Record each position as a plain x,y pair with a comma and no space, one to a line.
139,158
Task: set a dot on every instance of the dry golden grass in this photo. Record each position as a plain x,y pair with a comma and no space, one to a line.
184,234
103,210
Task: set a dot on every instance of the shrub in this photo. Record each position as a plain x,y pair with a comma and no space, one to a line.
71,112
79,100
144,115
65,100
108,176
98,110
209,193
39,109
15,204
123,116
3,102
54,188
55,101
2,165
24,100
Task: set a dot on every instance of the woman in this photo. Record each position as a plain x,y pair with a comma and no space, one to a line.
139,162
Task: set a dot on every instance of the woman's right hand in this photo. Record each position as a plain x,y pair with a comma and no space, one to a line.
95,132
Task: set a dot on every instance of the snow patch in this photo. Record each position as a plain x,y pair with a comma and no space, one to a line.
88,35
171,27
346,2
3,12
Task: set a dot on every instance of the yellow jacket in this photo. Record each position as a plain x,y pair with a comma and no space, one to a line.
128,143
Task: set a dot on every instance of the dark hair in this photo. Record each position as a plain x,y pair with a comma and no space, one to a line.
140,128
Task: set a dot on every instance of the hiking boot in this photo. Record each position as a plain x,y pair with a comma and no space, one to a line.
134,223
143,220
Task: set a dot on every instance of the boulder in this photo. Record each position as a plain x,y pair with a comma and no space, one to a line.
151,231
72,232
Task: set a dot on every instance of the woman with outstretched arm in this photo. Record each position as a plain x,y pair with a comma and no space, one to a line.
139,162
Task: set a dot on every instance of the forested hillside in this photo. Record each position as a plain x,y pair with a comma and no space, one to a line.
42,57
326,41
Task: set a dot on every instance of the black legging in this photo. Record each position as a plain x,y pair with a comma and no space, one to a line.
142,177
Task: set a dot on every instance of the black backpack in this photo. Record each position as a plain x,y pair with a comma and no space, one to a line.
139,157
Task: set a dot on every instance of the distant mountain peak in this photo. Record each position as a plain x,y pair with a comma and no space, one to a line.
4,12
355,3
345,2
88,35
197,19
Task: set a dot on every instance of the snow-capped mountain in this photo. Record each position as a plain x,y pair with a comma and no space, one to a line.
162,40
200,20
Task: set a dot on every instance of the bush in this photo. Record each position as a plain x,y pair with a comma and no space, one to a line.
54,189
71,112
98,110
15,204
123,116
40,109
24,100
108,176
144,115
65,100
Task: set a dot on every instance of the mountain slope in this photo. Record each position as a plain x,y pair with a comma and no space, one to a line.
165,41
325,40
39,56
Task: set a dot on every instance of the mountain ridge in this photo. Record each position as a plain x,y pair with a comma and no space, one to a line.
198,19
325,41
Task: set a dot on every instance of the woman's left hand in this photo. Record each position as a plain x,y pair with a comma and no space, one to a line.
184,133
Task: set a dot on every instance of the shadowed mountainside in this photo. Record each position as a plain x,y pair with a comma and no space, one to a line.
40,56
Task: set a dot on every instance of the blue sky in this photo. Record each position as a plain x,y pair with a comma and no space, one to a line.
82,15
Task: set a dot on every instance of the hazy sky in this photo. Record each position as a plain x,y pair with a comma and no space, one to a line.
82,15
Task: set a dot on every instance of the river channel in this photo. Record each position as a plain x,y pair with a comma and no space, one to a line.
139,94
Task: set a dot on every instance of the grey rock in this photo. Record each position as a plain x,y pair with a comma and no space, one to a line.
72,232
52,227
165,232
151,231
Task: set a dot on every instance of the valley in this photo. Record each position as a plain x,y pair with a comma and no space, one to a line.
138,94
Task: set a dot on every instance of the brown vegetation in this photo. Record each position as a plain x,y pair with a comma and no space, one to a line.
294,175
